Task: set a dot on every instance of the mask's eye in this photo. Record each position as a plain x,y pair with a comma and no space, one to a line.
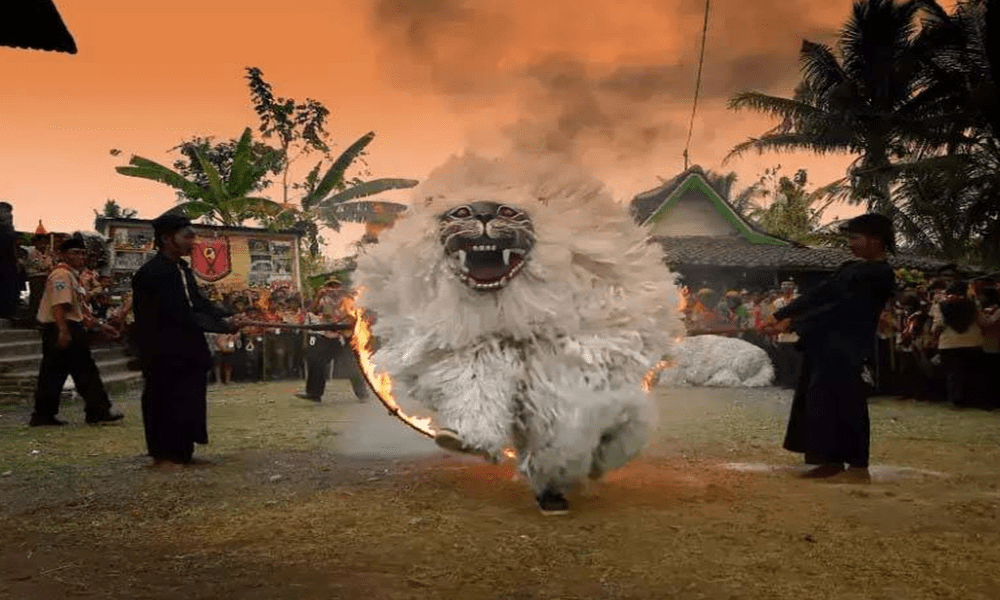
507,212
461,212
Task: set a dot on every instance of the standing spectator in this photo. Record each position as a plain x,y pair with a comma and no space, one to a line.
65,321
960,343
991,347
40,262
10,280
225,352
171,319
789,362
914,369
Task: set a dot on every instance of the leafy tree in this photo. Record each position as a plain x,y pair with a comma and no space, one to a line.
112,210
226,200
863,98
784,206
220,155
300,129
912,89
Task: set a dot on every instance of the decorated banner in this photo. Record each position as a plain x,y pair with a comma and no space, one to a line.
211,259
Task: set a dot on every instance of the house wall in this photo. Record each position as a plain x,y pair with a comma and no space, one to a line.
693,214
258,259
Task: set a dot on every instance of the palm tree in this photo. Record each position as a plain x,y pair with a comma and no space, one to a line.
224,200
862,99
948,196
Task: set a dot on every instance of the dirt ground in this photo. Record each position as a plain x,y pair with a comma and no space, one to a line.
337,500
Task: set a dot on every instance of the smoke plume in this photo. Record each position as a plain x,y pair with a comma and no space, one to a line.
598,80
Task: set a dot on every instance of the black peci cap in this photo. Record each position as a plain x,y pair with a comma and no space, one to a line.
73,242
873,225
167,223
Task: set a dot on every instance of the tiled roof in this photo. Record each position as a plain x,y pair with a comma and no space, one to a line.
34,25
736,252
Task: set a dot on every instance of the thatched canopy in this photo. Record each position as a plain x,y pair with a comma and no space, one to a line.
34,25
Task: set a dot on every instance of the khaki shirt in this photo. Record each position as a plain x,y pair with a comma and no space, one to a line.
63,287
951,339
787,337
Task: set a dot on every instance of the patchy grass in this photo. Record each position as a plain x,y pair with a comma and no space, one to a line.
283,512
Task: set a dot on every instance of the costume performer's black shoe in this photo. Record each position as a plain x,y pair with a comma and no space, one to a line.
824,471
307,396
108,417
45,422
552,503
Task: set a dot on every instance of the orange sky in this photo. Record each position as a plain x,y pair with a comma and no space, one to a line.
608,82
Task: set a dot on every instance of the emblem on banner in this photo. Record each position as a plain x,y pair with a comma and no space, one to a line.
211,259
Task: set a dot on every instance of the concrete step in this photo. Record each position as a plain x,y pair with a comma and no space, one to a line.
19,335
22,389
107,365
9,365
20,348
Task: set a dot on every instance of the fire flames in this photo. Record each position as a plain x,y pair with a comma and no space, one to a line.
650,378
381,383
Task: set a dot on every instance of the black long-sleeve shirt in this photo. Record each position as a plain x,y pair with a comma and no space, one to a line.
171,314
844,310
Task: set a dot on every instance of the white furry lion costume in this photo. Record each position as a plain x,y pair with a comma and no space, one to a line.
519,302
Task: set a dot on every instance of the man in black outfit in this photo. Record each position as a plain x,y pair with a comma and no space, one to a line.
10,278
836,322
171,319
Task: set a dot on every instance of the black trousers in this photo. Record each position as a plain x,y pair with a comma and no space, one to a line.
174,410
962,368
789,365
320,352
829,419
36,287
74,361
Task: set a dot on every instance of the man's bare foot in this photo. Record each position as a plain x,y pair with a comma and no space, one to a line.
824,471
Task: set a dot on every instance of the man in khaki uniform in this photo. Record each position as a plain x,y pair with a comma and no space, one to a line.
65,320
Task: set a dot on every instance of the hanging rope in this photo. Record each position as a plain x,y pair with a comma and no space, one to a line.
697,85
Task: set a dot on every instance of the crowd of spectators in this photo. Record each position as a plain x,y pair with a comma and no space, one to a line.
938,339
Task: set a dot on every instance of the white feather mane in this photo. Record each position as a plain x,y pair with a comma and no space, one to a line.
592,276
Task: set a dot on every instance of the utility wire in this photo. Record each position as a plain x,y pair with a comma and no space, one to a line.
697,85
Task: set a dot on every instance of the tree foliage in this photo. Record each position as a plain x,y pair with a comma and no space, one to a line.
786,207
112,210
225,200
911,90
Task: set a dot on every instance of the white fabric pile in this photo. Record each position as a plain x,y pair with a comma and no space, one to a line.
716,361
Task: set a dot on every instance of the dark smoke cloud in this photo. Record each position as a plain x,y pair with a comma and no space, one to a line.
573,91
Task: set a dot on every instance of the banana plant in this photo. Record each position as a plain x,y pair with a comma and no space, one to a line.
330,199
227,201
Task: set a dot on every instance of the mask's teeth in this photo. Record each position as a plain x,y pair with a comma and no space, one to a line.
506,256
461,257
